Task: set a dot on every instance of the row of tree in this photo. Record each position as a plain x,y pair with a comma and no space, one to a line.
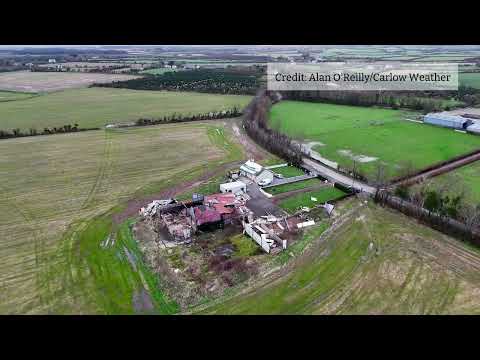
366,98
174,118
446,204
7,134
255,122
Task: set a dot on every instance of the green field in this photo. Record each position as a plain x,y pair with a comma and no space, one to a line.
157,71
96,107
55,187
323,195
470,79
465,179
288,171
378,262
13,95
349,132
293,186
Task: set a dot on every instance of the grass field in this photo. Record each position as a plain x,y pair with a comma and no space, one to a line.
349,132
53,81
13,95
55,187
157,71
96,107
465,179
293,186
470,79
378,262
288,171
323,195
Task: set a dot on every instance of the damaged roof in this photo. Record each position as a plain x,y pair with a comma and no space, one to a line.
206,214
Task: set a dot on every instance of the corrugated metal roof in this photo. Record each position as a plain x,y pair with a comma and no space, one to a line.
474,128
447,117
205,214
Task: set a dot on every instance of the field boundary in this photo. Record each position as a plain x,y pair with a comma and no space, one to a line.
437,169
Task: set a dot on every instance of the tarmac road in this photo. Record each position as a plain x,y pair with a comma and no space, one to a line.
334,176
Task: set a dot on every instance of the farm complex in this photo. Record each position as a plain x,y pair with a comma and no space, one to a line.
170,180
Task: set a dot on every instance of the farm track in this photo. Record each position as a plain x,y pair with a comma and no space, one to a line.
102,170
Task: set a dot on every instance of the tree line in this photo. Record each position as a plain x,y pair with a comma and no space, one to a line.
14,133
443,213
420,101
255,122
174,118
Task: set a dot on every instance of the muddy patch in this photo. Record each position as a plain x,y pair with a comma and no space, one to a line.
142,302
359,158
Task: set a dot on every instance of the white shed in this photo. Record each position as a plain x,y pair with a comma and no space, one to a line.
233,187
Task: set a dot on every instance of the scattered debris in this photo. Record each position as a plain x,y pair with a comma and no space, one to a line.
305,224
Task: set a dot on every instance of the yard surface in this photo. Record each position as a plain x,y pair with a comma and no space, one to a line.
53,81
371,136
377,262
54,189
322,195
96,107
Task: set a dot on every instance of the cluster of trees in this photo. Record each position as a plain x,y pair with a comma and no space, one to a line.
442,202
395,100
234,112
255,122
7,134
465,226
200,80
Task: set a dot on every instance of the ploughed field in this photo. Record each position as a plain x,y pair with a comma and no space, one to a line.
377,262
365,137
96,107
55,187
53,81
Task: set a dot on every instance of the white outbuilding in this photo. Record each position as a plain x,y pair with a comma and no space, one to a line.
233,187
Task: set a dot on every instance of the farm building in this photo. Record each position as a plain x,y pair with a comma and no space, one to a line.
474,128
233,187
264,178
447,120
250,169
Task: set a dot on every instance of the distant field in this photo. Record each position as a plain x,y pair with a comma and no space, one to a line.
53,186
470,79
378,262
157,71
305,199
96,107
52,81
85,64
11,95
370,135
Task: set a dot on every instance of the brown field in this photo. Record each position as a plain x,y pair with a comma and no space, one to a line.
27,81
85,64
